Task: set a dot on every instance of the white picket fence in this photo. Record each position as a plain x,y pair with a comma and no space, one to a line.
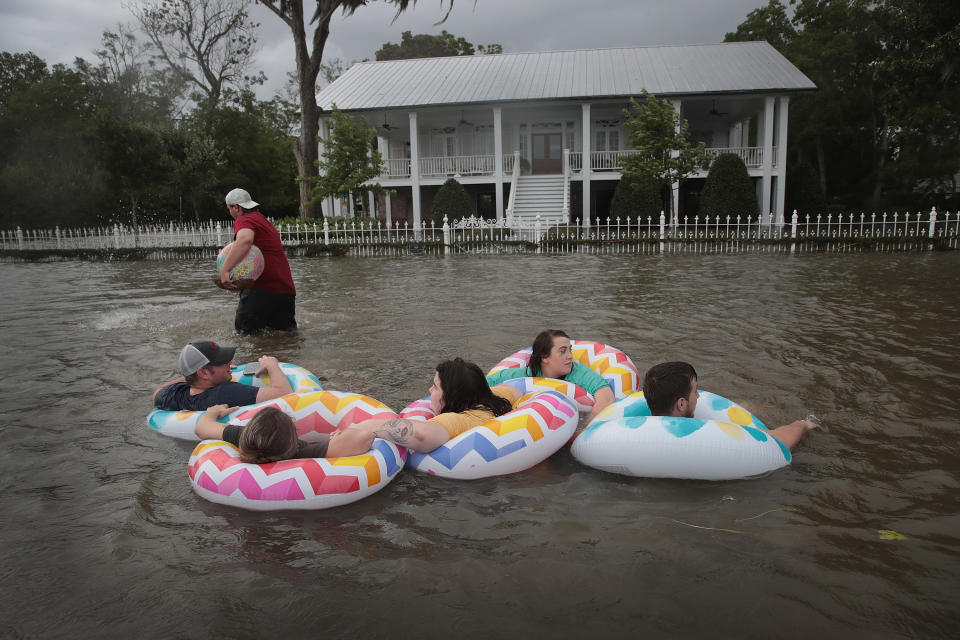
884,231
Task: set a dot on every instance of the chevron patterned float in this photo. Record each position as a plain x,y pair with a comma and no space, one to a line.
539,425
614,365
217,474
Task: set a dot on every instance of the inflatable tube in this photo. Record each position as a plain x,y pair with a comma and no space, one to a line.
613,365
723,441
180,424
217,473
539,425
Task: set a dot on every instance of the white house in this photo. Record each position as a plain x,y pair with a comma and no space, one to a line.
543,133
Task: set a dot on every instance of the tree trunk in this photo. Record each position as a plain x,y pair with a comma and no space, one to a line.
821,165
308,67
881,162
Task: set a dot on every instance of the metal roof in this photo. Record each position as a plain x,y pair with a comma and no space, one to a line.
732,67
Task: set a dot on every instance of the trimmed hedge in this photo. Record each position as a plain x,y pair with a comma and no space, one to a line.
452,201
729,191
636,197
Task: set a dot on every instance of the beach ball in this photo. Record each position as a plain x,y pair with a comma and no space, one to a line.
250,267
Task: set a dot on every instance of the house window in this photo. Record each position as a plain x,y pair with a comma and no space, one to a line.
607,135
443,141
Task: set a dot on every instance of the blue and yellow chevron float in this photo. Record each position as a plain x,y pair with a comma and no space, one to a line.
540,423
723,441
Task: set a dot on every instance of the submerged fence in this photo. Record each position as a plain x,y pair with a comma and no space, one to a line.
822,232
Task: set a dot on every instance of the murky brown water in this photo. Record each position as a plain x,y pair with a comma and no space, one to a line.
103,537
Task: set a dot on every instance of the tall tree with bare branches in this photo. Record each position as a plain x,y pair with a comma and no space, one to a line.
209,44
309,56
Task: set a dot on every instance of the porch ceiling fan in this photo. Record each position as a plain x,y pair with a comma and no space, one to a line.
463,122
386,126
713,111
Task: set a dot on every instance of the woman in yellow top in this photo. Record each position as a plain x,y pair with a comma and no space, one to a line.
461,399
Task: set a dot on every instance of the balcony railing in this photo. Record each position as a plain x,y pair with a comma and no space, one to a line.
751,156
485,165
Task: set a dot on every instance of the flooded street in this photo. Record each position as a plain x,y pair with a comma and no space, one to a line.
859,537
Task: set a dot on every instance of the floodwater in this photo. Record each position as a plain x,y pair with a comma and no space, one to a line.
859,537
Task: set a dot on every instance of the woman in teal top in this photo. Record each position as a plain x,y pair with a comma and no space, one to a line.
552,357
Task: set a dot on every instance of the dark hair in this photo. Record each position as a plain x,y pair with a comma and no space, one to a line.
465,387
666,382
542,345
268,437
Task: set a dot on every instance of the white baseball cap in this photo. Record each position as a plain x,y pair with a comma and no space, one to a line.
242,198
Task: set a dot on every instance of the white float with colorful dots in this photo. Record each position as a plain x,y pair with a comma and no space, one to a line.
723,441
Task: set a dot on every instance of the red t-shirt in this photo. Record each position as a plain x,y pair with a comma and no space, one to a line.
276,275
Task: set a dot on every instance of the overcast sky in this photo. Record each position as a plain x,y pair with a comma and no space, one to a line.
61,30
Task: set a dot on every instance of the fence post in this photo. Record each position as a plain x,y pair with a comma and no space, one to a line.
446,235
116,236
663,225
326,231
19,238
933,220
793,224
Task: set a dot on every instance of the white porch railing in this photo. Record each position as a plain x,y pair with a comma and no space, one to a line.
508,161
613,160
457,165
397,168
443,166
751,156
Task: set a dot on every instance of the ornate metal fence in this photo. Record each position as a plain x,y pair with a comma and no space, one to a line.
821,232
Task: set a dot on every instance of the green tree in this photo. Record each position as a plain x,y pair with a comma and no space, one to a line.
885,119
728,190
138,167
424,45
637,197
451,201
770,23
308,58
661,139
50,172
349,160
17,69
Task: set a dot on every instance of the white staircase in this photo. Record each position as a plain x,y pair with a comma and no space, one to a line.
539,195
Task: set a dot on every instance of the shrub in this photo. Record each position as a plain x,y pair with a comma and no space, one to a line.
803,191
452,201
728,189
636,197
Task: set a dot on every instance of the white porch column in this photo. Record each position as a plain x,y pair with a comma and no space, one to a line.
586,162
415,169
371,212
675,187
389,210
783,102
383,146
498,158
767,155
326,206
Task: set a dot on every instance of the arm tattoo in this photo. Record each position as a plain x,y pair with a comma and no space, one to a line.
397,430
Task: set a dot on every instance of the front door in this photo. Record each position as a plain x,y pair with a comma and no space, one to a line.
547,153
